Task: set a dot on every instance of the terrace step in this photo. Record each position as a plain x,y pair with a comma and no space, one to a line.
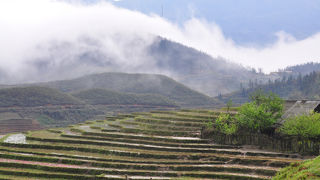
164,121
102,173
175,118
267,171
256,161
159,132
157,145
147,137
149,142
166,127
162,148
137,153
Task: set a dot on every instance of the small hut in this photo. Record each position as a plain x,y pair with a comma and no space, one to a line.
298,107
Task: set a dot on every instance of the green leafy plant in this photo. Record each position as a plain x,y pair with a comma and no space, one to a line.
306,125
226,124
209,124
261,113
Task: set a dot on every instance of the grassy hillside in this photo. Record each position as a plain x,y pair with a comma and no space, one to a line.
34,96
309,169
106,97
138,84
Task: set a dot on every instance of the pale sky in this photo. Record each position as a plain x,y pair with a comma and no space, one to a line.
27,25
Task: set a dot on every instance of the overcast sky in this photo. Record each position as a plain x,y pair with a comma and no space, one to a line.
245,21
268,34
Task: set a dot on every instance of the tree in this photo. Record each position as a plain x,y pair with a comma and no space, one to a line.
226,124
229,104
261,113
305,125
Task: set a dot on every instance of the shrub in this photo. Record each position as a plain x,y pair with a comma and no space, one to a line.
226,124
261,113
209,124
306,125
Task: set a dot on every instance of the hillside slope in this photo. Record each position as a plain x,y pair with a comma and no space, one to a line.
309,169
34,96
199,70
138,84
107,97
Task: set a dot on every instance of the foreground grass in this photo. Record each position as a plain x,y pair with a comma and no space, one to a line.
309,169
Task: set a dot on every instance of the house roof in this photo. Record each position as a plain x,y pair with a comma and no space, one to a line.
299,107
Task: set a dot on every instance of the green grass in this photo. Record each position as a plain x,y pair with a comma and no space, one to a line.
309,169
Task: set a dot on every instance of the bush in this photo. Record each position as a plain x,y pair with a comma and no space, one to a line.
307,125
261,113
209,124
226,124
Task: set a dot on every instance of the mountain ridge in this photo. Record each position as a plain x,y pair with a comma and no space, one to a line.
193,68
137,83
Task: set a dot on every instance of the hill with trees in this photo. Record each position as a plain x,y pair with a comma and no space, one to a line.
300,87
200,71
300,69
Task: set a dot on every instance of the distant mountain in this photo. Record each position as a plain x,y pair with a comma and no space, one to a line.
200,71
107,97
87,55
135,83
34,96
300,87
301,69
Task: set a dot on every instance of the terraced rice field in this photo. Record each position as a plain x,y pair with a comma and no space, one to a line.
156,145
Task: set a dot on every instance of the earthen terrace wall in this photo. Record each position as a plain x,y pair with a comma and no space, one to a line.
279,143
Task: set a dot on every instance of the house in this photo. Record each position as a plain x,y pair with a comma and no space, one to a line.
299,107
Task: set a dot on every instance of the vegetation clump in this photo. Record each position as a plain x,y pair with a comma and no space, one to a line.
258,116
226,124
261,113
306,125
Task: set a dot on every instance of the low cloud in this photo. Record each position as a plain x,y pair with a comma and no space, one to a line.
43,36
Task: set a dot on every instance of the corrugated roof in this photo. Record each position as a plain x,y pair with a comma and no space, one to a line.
298,108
